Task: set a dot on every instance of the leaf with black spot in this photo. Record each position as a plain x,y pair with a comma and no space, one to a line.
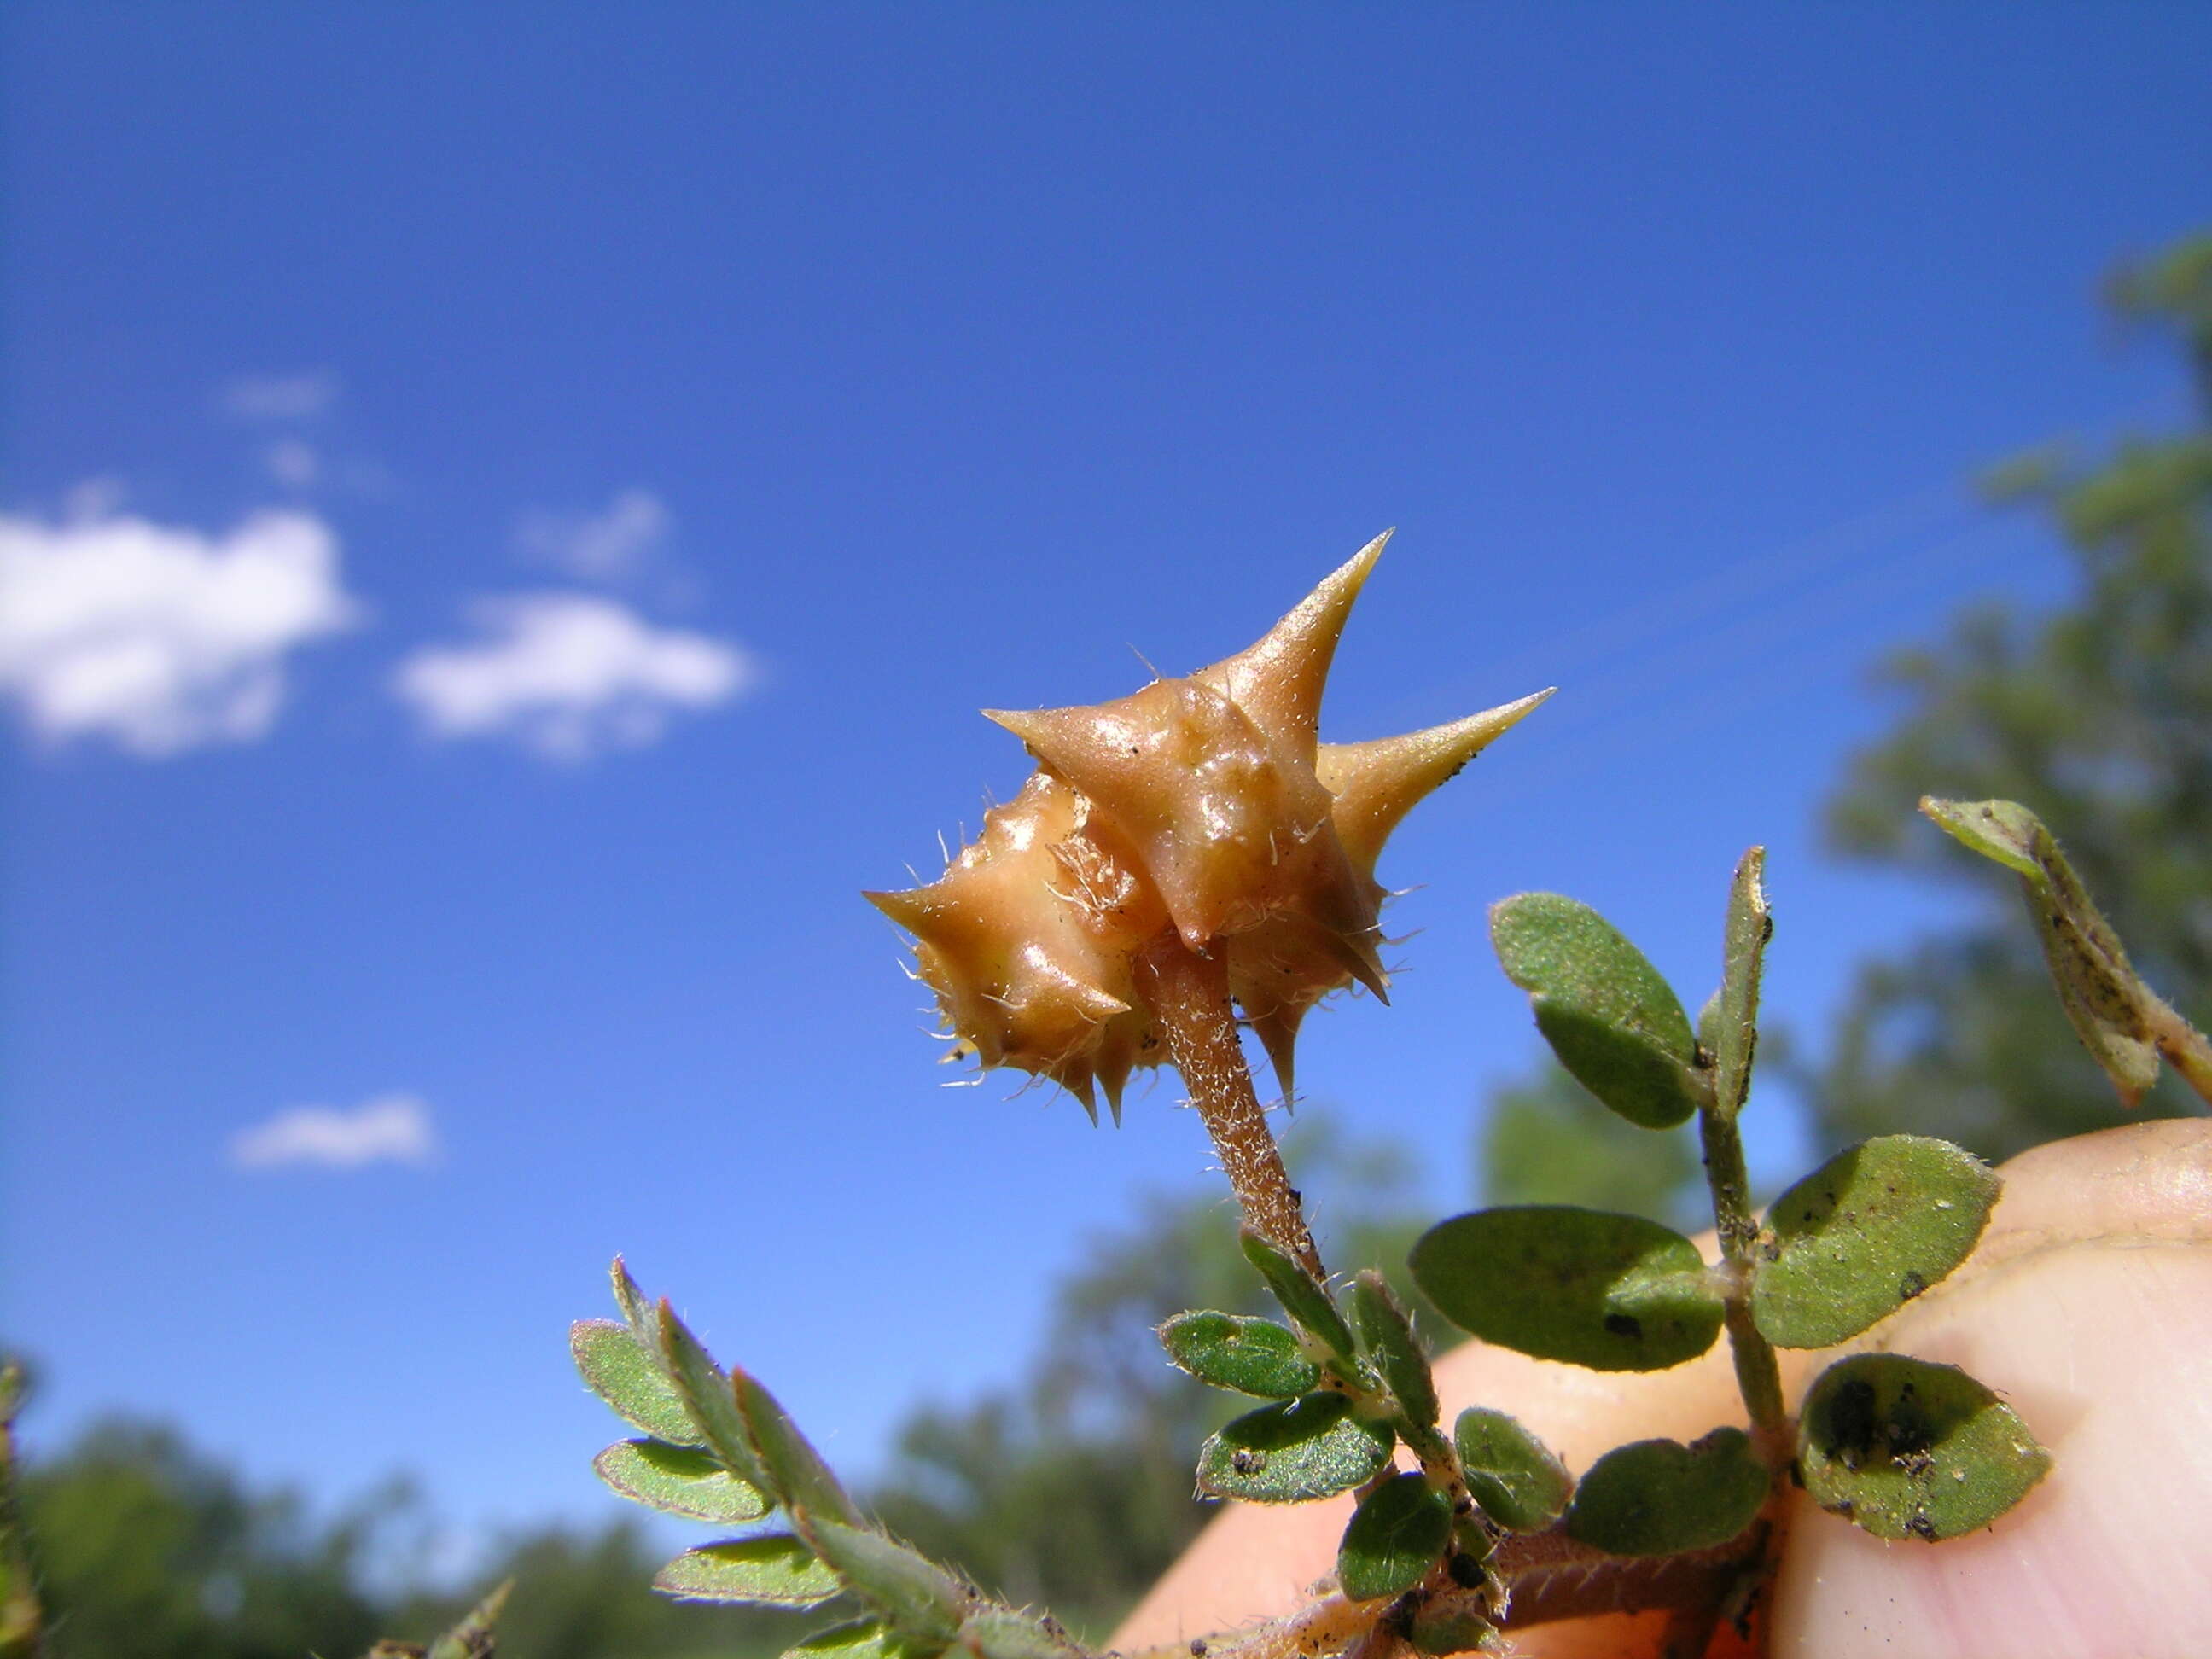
1307,1447
1250,1356
1866,1232
1610,1292
1906,1448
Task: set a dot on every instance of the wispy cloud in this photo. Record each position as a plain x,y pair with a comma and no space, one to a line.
292,462
607,546
393,1129
298,397
156,637
570,675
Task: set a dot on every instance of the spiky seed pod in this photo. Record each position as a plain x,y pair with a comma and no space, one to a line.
1206,805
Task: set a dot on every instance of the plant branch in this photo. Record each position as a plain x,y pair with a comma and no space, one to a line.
2185,1046
1189,992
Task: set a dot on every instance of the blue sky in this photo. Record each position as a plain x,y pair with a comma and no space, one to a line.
510,513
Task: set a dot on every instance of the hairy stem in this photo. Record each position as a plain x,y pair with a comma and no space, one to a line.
2185,1046
1189,992
1758,1373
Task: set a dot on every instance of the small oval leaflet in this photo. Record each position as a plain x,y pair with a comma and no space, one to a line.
856,1638
1866,1232
1906,1448
1658,1497
1393,1538
919,1597
1304,1298
1520,1481
994,1634
1395,1347
680,1480
1252,1356
707,1398
773,1572
621,1372
1609,1292
1310,1447
1614,1022
796,1473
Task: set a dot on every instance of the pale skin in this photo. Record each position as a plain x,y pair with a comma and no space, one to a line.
2087,1305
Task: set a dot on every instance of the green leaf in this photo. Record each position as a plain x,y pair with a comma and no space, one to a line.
918,1597
856,1638
1660,1497
474,1638
1610,1017
1909,1449
1252,1356
2109,1006
1310,1447
1611,1292
1734,1012
1387,1330
680,1480
628,1378
1451,1627
636,1311
707,1398
994,1633
1304,1298
1520,1481
776,1571
1395,1537
1866,1232
796,1473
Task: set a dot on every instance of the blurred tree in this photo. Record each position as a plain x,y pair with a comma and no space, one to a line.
2099,717
1546,1140
587,1594
146,1550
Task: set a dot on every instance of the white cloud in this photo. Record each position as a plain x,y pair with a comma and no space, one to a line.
570,675
156,637
280,397
293,462
388,1128
600,547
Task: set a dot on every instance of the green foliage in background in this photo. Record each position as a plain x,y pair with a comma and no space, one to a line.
1546,1140
2097,717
